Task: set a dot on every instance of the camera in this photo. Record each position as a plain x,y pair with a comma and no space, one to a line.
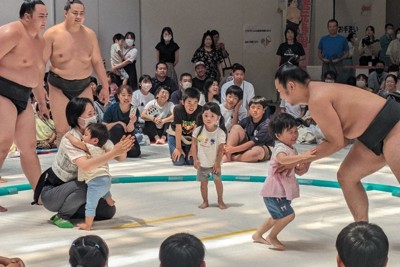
367,41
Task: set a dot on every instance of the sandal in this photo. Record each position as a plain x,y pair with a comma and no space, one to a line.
60,222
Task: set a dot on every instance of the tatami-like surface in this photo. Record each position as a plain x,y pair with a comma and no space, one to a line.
147,213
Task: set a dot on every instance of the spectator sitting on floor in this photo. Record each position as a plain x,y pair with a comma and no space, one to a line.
158,114
250,141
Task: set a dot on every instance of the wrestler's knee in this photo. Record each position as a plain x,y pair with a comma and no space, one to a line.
5,145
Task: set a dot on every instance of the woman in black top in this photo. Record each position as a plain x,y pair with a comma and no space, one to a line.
289,49
168,51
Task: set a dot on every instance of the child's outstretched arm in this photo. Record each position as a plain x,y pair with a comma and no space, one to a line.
76,142
285,159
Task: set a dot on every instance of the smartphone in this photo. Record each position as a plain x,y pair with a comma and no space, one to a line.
132,112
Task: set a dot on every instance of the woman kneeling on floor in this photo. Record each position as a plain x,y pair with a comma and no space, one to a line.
58,186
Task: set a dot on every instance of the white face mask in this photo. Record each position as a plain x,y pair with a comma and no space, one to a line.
129,42
146,86
167,38
186,85
390,31
83,123
360,83
398,36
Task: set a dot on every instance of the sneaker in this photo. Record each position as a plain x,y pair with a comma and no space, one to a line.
60,222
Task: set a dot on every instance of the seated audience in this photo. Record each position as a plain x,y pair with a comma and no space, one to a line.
160,78
158,114
389,86
181,129
376,77
200,77
362,244
99,106
238,79
230,110
362,82
185,82
250,141
120,119
182,250
330,76
210,92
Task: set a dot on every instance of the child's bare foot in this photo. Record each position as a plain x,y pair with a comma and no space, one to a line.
2,209
222,205
275,243
110,201
84,226
259,239
203,205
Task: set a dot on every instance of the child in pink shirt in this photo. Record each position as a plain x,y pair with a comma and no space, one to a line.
281,187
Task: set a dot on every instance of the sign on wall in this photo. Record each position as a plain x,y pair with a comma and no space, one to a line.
257,38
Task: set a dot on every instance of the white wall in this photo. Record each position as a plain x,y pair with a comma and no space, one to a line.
189,19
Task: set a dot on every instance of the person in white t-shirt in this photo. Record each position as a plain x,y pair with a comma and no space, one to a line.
158,114
238,72
208,142
230,110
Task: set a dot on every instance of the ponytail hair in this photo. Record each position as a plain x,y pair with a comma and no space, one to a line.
88,251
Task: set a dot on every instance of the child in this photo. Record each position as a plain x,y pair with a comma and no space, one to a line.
249,140
280,188
90,250
117,57
231,108
141,97
158,114
181,129
208,148
98,180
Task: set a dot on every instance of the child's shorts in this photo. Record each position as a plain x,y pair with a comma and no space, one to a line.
204,173
278,207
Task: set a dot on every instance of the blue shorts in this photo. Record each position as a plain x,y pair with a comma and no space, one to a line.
278,207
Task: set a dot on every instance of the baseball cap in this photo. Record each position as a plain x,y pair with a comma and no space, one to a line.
198,63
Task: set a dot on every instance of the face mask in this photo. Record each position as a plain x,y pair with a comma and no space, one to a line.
379,71
329,81
146,86
167,38
398,36
390,31
356,39
360,83
129,42
85,122
186,85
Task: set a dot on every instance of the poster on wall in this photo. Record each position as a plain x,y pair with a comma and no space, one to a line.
257,38
298,17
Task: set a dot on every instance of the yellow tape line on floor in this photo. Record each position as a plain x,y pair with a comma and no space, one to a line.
137,224
211,237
